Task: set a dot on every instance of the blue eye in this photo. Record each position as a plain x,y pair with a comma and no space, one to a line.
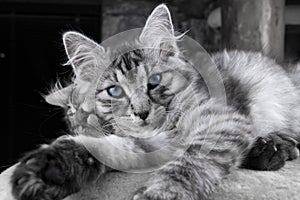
115,91
154,80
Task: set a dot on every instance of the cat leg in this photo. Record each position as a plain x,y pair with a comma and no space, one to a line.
191,177
183,179
271,153
57,170
54,171
209,158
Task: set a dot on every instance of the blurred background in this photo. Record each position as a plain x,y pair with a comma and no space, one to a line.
31,51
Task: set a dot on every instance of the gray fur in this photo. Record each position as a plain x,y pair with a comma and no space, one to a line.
262,98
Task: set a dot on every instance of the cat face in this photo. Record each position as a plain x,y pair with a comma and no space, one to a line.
136,93
132,94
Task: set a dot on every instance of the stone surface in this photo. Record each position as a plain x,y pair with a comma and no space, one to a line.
241,184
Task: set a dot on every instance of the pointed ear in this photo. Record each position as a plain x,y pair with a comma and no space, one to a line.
84,54
158,31
60,97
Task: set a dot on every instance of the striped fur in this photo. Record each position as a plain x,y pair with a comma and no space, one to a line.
203,140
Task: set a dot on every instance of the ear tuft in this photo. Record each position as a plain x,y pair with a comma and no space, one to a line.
162,15
158,32
83,53
59,96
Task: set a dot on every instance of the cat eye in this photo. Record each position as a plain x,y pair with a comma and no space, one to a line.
115,91
154,81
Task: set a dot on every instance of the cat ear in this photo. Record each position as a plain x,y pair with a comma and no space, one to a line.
60,97
84,54
159,32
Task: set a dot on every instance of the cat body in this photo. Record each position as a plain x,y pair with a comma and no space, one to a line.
149,109
267,94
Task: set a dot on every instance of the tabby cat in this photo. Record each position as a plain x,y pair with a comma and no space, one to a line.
150,98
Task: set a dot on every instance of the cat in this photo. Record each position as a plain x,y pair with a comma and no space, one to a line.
140,105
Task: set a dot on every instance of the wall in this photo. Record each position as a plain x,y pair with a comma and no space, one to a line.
188,15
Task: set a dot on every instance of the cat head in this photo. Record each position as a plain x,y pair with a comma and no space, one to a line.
133,93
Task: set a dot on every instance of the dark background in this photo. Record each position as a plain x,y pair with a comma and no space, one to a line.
31,55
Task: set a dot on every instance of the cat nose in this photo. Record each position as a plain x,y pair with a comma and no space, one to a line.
143,115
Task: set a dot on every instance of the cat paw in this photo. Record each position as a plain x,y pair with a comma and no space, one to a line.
162,190
146,193
49,173
271,153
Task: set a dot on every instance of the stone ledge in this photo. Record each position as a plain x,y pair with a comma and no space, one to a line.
241,184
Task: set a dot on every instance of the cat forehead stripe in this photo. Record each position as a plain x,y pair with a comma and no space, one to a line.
128,60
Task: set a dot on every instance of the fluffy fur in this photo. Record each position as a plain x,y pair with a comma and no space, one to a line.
198,139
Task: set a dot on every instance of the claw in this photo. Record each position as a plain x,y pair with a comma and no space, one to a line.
30,161
21,181
139,193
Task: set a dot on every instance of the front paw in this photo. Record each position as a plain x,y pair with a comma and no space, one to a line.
162,190
146,193
271,152
49,173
